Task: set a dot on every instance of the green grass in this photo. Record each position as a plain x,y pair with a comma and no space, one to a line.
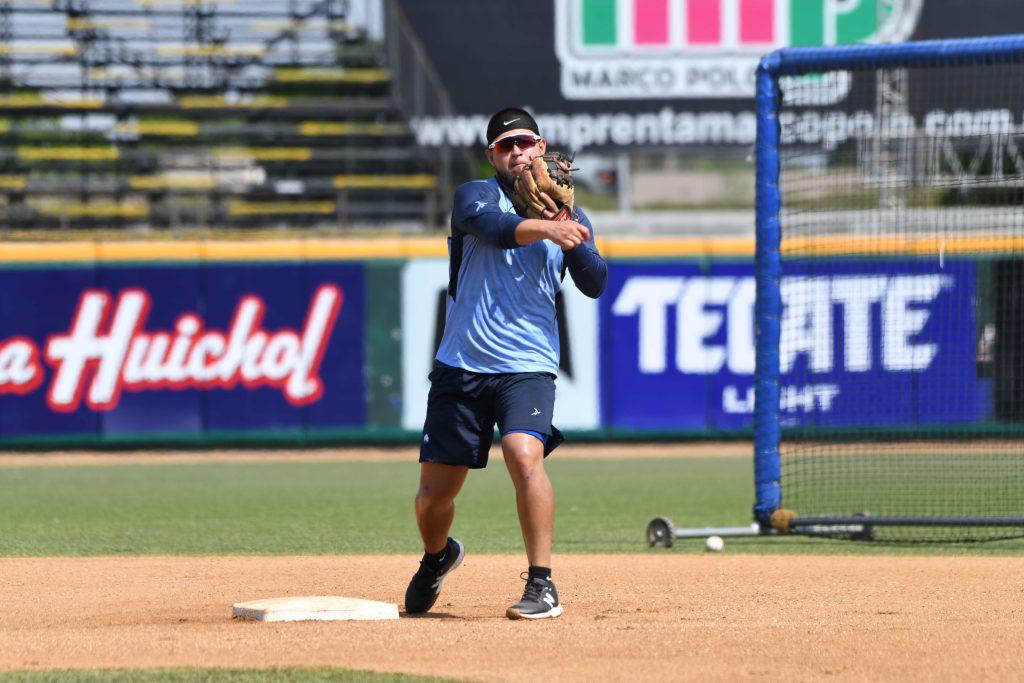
326,508
281,675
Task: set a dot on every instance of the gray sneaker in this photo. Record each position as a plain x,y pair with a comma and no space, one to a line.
540,601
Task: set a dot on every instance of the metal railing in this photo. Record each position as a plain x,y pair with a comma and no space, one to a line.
419,92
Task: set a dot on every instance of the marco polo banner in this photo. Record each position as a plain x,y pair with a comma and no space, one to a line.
181,352
636,73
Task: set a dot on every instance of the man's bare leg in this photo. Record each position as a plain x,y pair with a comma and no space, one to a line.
435,502
535,501
435,510
535,498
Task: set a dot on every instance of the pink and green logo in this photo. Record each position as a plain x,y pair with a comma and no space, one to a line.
629,37
740,23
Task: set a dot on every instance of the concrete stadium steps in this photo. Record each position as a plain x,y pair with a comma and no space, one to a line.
175,133
127,157
326,81
197,106
128,113
328,212
199,182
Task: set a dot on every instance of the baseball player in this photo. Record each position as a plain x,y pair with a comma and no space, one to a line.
498,357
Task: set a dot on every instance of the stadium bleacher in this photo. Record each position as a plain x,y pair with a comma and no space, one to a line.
171,114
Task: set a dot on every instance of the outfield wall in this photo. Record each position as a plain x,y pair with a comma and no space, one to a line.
320,341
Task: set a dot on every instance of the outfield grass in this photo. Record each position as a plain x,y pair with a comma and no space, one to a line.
183,675
287,508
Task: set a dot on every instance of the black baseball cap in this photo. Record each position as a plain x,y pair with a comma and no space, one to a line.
508,119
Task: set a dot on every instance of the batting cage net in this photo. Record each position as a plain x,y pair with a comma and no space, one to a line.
890,391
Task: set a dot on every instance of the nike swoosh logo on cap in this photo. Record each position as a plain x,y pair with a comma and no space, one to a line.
505,123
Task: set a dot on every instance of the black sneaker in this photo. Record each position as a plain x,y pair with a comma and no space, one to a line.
540,601
426,582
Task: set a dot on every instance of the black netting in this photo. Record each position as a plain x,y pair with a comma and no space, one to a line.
902,331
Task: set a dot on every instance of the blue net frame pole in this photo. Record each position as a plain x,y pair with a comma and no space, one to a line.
824,521
795,61
768,306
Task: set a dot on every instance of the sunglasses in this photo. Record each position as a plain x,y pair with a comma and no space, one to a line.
505,145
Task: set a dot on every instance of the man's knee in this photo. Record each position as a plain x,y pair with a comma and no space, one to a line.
428,496
439,484
525,457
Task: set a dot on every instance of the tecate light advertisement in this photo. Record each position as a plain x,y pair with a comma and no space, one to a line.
860,345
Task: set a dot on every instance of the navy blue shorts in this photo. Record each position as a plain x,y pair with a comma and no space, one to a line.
463,406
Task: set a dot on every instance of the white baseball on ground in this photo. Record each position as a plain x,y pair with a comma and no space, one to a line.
714,543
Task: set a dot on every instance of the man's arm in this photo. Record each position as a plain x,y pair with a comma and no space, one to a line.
566,234
588,268
476,211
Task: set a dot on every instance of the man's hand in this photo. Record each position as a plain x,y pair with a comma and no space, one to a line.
550,207
567,234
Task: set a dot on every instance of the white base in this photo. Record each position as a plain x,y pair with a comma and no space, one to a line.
314,608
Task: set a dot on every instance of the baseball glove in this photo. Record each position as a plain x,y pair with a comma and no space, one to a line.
550,173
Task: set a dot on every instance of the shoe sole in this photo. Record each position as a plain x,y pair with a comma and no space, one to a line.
511,613
455,565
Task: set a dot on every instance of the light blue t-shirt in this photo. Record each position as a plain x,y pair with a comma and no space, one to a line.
501,297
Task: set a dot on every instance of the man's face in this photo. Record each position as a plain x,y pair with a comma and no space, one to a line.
511,152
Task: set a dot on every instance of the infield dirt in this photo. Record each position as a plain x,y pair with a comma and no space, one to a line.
657,616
